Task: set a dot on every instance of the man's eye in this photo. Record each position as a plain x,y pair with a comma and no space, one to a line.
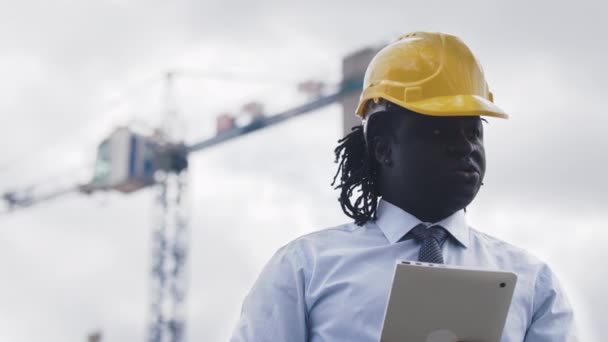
475,133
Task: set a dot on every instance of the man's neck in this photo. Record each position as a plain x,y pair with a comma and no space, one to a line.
423,213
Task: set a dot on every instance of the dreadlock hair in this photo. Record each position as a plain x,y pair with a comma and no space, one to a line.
359,170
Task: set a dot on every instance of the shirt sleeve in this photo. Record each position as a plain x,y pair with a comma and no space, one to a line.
553,319
275,310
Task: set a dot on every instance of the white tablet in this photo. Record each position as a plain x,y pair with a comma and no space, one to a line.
446,303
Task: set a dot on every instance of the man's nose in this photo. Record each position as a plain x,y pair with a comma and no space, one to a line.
461,145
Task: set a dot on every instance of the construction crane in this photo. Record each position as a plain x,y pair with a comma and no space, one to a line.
128,161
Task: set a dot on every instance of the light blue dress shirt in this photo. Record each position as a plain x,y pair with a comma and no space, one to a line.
333,285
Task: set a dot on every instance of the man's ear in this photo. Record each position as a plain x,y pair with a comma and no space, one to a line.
381,150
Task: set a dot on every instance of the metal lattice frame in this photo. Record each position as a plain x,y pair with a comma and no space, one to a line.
169,256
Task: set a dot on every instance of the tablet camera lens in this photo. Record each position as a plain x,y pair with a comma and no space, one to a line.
503,284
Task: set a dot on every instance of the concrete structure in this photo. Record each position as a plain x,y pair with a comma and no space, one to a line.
353,68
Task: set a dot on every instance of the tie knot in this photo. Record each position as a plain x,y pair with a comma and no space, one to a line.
421,233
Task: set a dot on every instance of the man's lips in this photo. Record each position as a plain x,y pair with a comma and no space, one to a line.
468,173
465,169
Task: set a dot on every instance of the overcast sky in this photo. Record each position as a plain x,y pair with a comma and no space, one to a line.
71,71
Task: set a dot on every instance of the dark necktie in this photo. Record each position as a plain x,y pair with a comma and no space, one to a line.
431,240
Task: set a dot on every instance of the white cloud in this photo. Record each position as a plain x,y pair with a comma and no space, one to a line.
79,264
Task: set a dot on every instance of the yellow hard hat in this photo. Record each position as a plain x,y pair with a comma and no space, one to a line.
429,73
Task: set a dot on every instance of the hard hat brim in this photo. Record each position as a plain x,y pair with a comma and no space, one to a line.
458,105
455,105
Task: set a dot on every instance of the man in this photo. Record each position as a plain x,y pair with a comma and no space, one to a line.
406,177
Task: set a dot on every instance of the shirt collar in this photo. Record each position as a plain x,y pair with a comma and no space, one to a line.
395,222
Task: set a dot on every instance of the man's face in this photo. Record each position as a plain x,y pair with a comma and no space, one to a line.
438,162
